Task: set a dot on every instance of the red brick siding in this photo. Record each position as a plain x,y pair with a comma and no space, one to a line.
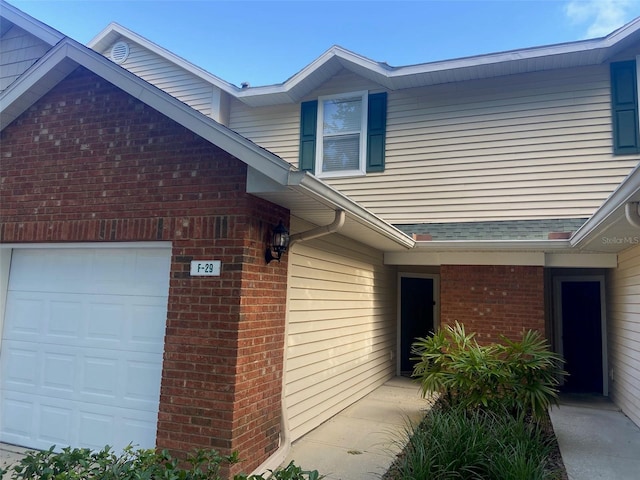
88,163
493,300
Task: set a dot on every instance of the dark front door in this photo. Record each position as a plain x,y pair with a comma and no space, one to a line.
416,315
582,336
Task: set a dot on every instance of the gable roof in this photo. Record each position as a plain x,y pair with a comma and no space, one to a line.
294,89
12,16
304,195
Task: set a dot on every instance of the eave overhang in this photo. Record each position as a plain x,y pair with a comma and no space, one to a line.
16,17
300,85
608,229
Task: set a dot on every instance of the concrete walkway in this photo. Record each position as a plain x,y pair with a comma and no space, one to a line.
597,441
10,454
361,442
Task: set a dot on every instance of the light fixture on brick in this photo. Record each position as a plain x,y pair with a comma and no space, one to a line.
279,243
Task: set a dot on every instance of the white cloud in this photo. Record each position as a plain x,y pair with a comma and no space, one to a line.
602,16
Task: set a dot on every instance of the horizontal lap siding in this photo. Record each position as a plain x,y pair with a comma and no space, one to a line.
18,51
624,332
522,146
274,128
341,329
174,80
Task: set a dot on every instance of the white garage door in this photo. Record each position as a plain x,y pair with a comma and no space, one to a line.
82,343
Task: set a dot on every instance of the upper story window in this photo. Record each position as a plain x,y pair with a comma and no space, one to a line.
624,107
342,122
343,135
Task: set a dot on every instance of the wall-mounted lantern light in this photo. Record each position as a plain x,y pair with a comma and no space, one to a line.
279,243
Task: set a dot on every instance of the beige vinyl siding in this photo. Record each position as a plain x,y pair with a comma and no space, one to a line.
174,80
341,329
517,147
18,51
274,128
277,128
624,332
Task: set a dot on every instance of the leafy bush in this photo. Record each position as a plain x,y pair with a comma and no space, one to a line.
520,376
84,464
475,444
290,472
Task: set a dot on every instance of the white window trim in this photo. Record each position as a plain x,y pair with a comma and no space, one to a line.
362,169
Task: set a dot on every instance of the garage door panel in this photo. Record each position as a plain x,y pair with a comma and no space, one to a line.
27,313
59,372
82,347
55,424
112,271
119,323
69,373
142,383
40,422
64,318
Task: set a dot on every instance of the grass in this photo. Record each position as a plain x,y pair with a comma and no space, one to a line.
455,443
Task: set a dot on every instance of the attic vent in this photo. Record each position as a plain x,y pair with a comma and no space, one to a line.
120,52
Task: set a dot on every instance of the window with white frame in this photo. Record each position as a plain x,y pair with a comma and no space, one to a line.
342,125
343,135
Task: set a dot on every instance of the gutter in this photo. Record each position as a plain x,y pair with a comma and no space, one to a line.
321,231
632,214
598,221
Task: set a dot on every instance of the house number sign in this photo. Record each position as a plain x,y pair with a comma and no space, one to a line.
205,268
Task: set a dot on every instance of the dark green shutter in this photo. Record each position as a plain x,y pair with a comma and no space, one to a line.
624,107
308,124
376,131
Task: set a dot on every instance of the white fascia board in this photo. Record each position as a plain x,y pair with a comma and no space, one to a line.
312,186
598,223
581,260
33,84
477,252
293,89
525,258
28,23
101,40
417,257
395,77
492,245
68,50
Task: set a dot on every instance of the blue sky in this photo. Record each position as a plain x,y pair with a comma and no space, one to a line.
265,42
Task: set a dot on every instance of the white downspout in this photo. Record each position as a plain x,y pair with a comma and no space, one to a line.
333,227
278,457
632,214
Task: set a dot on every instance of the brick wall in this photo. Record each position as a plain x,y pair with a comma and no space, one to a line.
493,300
88,163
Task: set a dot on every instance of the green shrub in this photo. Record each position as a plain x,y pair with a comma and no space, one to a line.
520,376
290,472
457,443
84,464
